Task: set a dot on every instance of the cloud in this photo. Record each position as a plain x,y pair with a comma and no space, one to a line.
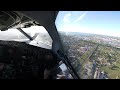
65,19
81,17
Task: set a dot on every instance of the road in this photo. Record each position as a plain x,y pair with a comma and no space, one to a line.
94,63
93,51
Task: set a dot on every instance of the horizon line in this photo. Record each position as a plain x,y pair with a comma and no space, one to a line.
91,33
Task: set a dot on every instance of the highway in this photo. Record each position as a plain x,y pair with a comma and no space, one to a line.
94,64
93,51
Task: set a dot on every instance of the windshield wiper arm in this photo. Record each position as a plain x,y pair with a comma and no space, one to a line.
25,33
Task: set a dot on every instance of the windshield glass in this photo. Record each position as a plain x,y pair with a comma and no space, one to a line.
91,40
40,36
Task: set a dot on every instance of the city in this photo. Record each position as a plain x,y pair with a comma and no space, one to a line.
93,56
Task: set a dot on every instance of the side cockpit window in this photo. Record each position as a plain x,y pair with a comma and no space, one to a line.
39,34
30,31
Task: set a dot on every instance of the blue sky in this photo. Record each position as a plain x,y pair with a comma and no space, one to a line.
96,22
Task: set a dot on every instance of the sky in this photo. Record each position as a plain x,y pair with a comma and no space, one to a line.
95,22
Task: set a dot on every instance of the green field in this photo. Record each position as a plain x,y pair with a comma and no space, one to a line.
111,56
107,54
112,74
106,57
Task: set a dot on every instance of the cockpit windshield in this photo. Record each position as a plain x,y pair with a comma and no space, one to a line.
91,40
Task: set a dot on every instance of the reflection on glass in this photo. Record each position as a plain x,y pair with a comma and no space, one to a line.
40,36
91,40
